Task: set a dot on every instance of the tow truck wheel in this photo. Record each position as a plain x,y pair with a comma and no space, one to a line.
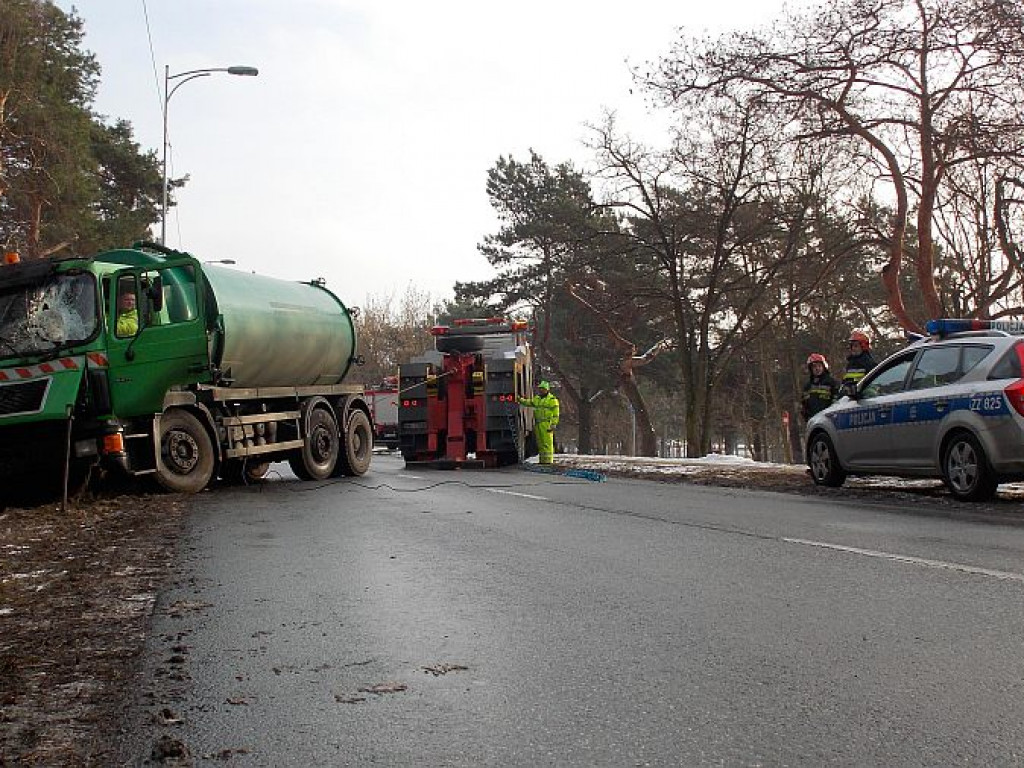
356,446
824,464
185,462
965,469
319,453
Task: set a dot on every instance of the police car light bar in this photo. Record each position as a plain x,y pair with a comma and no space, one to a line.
946,326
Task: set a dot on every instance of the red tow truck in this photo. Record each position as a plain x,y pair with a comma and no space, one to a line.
458,403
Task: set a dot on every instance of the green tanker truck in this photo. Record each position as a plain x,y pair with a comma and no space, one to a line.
214,372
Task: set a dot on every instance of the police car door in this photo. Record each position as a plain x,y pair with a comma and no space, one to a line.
865,427
928,399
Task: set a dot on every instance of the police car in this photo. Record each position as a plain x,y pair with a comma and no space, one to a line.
950,405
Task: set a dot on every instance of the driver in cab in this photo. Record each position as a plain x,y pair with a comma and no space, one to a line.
127,314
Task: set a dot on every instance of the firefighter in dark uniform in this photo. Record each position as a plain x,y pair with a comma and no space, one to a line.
858,362
821,390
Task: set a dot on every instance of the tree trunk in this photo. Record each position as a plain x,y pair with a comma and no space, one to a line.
931,173
585,435
891,271
646,443
35,228
795,441
693,434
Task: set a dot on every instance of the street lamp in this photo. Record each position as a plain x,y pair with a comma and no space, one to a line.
191,74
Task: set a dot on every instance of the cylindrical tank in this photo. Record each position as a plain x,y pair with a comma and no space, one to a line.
278,333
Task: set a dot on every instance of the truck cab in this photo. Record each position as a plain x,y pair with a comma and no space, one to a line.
66,368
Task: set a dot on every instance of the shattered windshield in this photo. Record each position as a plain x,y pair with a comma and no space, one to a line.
40,318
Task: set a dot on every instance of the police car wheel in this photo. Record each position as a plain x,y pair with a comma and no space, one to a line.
965,469
821,458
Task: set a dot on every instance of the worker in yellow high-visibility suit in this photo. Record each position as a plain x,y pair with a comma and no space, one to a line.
545,419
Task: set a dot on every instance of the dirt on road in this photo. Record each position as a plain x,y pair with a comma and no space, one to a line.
77,588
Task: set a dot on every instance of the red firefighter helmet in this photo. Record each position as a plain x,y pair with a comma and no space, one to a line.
816,358
862,338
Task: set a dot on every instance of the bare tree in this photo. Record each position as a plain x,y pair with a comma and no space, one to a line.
705,215
1009,213
605,305
390,335
977,271
924,85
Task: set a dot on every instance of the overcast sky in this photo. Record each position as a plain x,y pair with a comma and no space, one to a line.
360,152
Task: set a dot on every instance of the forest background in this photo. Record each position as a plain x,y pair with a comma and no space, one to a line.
858,164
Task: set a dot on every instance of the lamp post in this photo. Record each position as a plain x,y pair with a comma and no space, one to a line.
191,74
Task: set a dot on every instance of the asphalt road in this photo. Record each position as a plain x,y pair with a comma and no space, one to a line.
514,618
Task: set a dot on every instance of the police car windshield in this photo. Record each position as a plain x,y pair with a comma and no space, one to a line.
39,318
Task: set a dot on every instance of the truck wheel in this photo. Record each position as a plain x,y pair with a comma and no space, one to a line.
824,464
185,462
319,453
244,472
965,469
356,446
458,343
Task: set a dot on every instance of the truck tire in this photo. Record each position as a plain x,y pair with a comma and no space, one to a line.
458,343
242,472
356,446
319,453
185,461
